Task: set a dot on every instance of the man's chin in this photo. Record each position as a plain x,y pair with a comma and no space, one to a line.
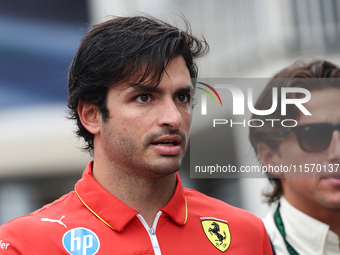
164,168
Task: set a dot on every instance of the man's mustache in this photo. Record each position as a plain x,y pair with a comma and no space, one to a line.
168,131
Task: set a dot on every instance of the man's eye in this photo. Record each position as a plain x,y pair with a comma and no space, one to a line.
145,98
183,98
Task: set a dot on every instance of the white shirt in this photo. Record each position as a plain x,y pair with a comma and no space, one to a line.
305,234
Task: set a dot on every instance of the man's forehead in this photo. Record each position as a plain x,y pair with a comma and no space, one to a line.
324,106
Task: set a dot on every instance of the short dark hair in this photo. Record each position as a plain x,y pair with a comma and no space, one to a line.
301,72
136,50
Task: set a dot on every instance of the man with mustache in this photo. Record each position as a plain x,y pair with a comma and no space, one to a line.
130,92
307,217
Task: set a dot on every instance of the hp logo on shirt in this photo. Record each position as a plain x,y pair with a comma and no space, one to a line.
81,241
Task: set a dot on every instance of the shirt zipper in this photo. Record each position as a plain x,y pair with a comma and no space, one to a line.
152,232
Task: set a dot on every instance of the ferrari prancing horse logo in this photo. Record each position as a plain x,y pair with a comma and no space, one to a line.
217,231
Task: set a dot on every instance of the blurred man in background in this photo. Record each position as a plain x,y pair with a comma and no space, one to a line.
130,92
307,218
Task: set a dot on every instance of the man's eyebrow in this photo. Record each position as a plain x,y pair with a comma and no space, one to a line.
138,89
151,89
188,89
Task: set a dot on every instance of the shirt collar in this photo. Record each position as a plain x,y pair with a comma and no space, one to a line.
300,226
114,212
101,203
177,207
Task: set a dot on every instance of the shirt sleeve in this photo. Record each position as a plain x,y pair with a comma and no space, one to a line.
12,242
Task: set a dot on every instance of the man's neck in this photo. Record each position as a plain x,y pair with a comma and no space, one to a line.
144,194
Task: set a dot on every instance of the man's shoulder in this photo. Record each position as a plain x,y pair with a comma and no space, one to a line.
53,212
240,225
209,205
196,197
37,232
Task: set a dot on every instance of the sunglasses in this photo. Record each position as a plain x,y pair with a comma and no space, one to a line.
312,137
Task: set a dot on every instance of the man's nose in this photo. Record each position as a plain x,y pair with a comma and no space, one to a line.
334,148
169,115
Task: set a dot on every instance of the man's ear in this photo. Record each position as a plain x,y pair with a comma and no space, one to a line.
268,157
90,116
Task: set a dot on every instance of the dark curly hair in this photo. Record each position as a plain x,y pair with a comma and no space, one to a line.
135,50
303,75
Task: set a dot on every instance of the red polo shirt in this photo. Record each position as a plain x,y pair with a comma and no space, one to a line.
89,221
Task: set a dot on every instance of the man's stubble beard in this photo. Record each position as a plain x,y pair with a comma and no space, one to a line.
123,152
